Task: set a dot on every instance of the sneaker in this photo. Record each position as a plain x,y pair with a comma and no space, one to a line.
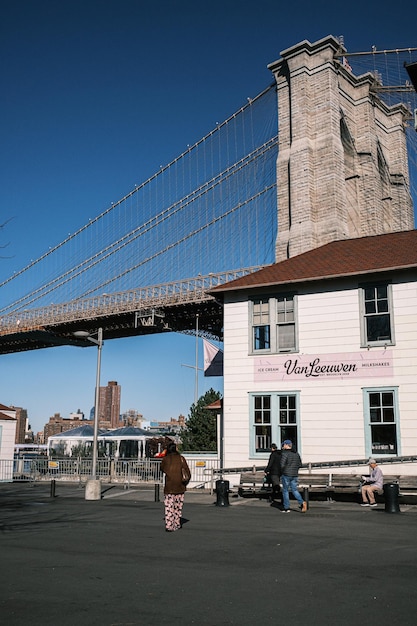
285,511
364,504
373,504
304,507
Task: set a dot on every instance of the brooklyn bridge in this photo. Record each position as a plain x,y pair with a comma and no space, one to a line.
225,207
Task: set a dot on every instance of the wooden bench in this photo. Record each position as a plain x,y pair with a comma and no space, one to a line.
252,484
408,489
330,486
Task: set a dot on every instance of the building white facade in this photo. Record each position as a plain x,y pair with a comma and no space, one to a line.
7,441
322,349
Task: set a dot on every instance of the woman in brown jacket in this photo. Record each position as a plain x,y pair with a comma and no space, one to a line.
177,476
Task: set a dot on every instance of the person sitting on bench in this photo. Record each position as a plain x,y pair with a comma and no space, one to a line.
371,484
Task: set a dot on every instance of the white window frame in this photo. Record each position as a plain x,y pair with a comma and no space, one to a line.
259,314
273,323
370,451
387,341
275,426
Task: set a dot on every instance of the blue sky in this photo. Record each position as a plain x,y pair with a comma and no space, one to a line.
96,95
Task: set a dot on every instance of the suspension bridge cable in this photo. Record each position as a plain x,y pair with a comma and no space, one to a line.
150,224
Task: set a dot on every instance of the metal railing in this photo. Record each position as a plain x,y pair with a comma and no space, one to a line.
80,469
389,460
205,469
112,471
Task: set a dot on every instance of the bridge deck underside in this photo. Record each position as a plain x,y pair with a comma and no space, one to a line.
179,318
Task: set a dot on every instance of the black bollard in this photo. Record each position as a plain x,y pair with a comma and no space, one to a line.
52,489
391,493
156,492
222,491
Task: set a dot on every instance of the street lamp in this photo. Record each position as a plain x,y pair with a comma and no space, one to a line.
93,487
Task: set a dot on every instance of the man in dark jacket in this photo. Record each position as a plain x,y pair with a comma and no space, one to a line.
273,471
290,464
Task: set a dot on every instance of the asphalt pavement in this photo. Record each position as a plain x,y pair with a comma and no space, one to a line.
68,561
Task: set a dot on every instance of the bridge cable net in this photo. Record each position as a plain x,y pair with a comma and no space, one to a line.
211,209
393,86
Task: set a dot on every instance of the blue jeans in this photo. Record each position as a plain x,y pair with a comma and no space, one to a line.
290,483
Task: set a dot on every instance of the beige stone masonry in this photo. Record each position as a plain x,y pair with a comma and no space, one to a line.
342,168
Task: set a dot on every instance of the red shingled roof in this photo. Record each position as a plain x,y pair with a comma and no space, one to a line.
347,257
217,404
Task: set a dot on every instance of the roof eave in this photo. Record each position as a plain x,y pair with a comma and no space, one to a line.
310,279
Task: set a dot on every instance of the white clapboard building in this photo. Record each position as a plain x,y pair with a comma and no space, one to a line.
322,349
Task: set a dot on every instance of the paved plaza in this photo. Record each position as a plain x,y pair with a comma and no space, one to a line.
67,561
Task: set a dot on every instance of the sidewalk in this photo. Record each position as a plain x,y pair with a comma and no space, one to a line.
70,562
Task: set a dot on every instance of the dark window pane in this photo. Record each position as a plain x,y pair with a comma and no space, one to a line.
378,328
369,293
387,398
289,432
384,439
388,414
261,338
378,325
382,292
262,409
292,417
374,399
263,438
375,415
383,306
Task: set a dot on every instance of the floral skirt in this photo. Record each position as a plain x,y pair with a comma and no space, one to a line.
173,508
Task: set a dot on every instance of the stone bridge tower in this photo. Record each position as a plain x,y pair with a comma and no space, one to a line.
342,166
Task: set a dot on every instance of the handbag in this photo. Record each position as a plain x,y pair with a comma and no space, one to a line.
185,472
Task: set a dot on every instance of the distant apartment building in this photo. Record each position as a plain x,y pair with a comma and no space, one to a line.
39,437
77,415
21,423
174,426
109,405
131,417
58,424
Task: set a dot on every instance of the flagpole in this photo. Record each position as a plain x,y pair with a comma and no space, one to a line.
196,361
195,366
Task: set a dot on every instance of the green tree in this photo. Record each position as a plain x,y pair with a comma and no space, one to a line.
200,433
